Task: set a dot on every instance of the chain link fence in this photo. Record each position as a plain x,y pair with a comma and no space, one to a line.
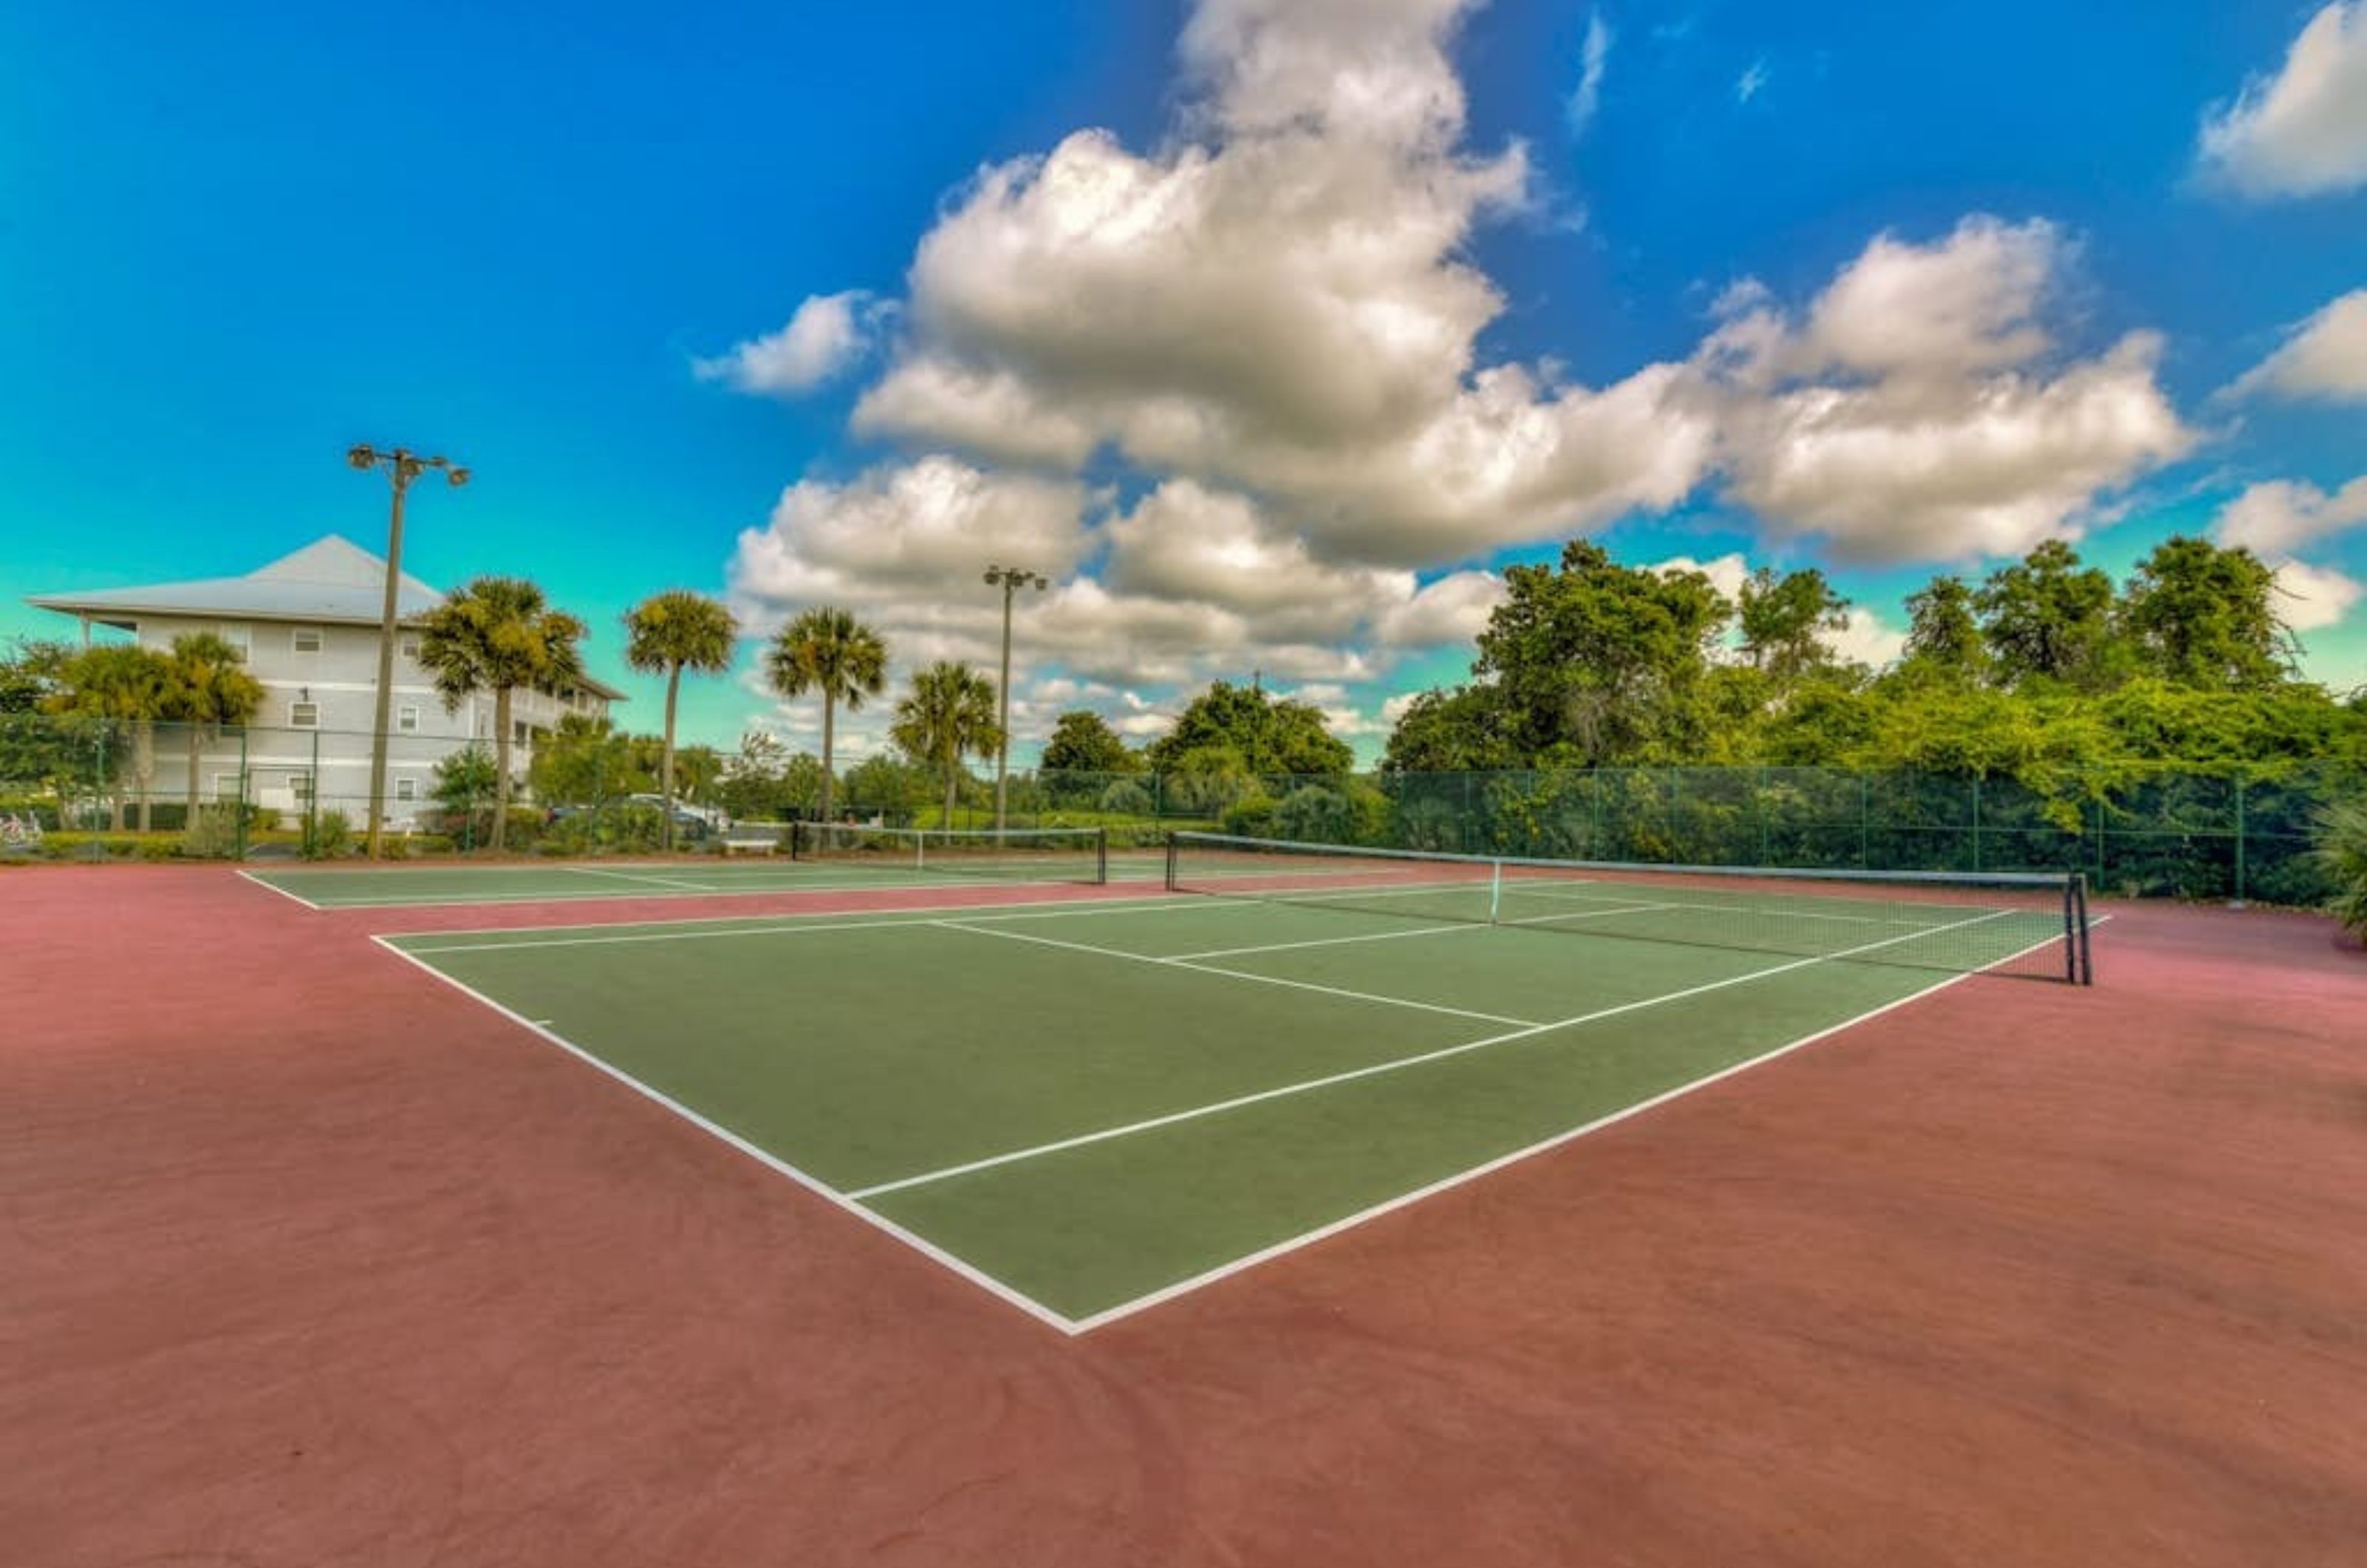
74,787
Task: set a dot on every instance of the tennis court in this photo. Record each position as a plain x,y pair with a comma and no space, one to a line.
1089,1108
813,858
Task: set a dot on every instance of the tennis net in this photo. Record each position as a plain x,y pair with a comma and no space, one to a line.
1027,854
2034,924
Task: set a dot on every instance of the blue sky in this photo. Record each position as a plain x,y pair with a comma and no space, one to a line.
1270,330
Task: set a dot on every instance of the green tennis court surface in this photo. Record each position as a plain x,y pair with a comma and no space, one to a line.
1087,1107
886,866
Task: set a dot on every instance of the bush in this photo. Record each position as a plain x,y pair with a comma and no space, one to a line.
91,846
2342,850
213,836
1128,798
328,837
1251,819
634,828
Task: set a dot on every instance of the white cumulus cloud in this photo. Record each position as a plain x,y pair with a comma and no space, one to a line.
2324,357
1920,411
2311,598
2301,132
2280,515
828,333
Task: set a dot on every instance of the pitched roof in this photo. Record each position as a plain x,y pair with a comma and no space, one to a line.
329,581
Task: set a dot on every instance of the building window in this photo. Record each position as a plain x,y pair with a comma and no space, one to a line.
226,786
406,720
306,639
237,635
406,789
303,715
521,734
300,785
408,645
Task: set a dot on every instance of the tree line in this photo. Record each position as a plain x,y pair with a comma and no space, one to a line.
2044,665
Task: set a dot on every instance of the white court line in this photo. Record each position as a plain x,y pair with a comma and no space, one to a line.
1406,1200
790,925
811,1183
1419,931
1326,942
818,883
1075,1326
1235,974
281,891
1331,1079
1591,914
634,876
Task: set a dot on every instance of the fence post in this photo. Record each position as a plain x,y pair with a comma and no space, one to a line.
1976,822
238,806
1675,822
1759,808
1864,823
2240,833
313,798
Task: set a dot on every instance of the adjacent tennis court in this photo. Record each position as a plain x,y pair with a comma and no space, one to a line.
806,858
1088,1108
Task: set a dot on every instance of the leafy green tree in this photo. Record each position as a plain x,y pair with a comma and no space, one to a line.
1246,730
587,761
1783,620
496,635
463,778
2205,617
697,770
32,674
207,688
2340,832
1943,635
2046,617
827,651
36,748
948,716
887,786
1457,731
673,632
1082,742
123,683
1596,663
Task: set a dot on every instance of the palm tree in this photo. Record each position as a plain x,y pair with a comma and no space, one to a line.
121,682
496,635
828,650
673,632
209,688
950,712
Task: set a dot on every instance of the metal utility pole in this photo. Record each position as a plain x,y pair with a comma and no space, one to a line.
1011,580
401,467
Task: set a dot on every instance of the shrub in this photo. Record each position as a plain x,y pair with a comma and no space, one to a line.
634,828
2342,849
1128,798
91,846
328,837
1251,819
213,835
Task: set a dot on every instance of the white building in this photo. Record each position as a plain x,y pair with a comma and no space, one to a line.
309,626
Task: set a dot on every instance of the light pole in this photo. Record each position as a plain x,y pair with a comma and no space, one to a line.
1011,580
401,467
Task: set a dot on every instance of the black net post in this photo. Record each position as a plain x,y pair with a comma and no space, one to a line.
1174,886
2078,894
